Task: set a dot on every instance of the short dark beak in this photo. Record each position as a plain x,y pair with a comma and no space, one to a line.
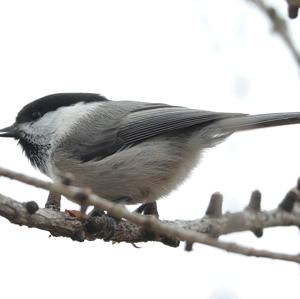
11,131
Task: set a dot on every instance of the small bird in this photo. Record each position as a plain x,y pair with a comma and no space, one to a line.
125,151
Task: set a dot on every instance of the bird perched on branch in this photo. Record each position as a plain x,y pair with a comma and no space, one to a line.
125,151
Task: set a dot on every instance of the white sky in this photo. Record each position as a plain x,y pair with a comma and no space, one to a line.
216,55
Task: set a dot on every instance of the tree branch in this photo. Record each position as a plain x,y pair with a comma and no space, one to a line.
140,228
279,24
293,7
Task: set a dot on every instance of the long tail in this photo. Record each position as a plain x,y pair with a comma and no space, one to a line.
249,122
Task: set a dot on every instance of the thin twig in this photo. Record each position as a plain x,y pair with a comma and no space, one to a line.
280,26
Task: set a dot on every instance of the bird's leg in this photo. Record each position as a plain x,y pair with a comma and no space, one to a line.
99,213
83,208
53,201
95,213
149,208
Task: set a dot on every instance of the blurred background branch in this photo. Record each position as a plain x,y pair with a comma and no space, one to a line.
293,7
279,24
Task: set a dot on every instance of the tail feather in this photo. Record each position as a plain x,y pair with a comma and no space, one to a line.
250,122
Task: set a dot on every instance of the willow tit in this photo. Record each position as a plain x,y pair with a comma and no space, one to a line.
125,151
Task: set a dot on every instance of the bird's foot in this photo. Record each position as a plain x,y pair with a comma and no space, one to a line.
100,225
53,201
149,208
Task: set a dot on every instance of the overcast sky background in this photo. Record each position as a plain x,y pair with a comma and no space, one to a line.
214,55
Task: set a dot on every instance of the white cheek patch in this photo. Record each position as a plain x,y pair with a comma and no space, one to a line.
55,124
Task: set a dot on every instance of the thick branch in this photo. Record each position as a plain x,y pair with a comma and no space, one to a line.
62,224
57,223
137,228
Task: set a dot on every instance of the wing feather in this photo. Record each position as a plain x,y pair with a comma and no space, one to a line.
141,125
136,123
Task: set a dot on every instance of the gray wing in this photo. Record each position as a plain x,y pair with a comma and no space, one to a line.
146,123
138,123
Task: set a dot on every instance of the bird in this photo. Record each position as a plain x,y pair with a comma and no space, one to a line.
127,152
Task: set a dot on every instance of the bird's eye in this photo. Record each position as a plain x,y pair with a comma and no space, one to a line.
36,115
